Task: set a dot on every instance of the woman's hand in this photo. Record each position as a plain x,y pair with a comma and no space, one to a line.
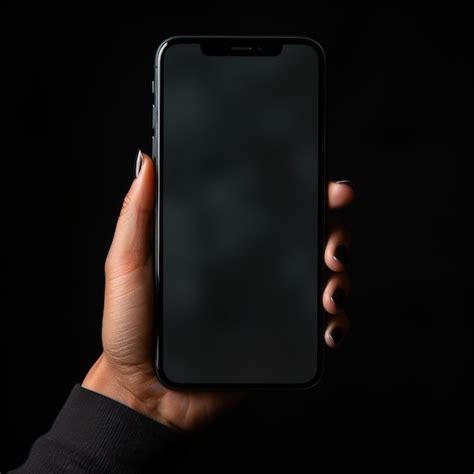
124,371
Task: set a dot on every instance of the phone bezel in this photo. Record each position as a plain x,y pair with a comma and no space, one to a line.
158,225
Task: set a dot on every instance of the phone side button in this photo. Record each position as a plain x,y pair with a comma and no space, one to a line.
153,147
153,120
152,87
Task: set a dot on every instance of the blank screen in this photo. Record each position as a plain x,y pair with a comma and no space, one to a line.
239,177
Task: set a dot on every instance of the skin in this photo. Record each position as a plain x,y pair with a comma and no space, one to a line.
124,371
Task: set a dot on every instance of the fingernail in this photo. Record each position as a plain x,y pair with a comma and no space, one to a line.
338,297
336,335
346,181
341,254
138,163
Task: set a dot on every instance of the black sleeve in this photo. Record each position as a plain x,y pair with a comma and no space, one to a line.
93,433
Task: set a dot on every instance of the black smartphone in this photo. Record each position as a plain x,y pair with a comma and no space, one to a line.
240,212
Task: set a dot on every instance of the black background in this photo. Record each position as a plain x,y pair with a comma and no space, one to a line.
77,105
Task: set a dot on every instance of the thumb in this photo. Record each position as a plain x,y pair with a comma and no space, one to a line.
131,245
128,301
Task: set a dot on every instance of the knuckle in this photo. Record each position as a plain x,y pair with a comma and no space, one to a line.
126,265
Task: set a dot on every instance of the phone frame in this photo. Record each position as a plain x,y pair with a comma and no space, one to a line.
157,88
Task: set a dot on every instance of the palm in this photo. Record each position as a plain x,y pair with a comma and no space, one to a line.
191,410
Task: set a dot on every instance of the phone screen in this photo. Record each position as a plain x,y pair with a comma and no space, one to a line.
240,176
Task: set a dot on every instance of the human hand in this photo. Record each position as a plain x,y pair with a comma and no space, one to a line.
124,371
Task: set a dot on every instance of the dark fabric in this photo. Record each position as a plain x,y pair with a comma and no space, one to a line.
93,433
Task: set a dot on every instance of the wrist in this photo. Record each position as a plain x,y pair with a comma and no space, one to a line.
101,379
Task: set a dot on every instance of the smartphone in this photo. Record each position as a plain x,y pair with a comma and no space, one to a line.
240,212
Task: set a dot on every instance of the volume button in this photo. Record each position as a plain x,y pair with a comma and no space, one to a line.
152,87
153,119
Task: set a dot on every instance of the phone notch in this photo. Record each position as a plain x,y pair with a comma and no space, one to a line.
240,47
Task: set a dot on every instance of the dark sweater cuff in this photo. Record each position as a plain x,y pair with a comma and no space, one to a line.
94,433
